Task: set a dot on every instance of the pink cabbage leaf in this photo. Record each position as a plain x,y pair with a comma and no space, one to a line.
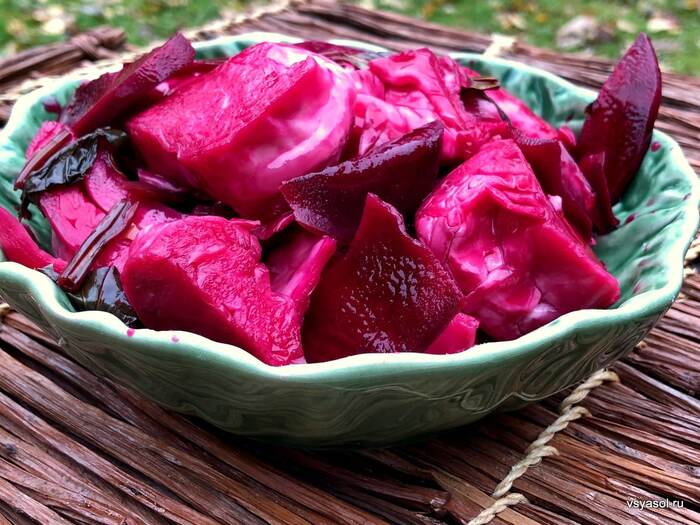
516,259
208,133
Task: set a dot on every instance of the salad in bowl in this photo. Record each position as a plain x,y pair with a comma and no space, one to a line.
314,204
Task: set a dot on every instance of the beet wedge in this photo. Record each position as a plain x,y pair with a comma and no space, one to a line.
593,166
204,275
619,123
401,173
388,293
99,102
517,260
559,175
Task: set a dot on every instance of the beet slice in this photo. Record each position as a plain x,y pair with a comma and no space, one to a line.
296,265
458,336
593,166
203,274
268,114
18,246
401,172
619,123
559,175
99,102
388,293
519,263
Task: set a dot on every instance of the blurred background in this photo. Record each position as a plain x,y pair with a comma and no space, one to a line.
596,27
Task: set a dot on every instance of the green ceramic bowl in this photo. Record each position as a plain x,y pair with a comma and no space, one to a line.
377,399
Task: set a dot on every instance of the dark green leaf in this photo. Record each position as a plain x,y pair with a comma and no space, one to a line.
68,165
101,290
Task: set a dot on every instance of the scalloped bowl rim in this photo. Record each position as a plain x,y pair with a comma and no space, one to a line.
48,296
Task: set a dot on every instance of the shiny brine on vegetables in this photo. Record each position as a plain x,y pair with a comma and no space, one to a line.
308,202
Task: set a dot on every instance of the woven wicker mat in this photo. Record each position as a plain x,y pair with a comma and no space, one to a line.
75,448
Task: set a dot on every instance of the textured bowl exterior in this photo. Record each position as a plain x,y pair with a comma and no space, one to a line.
377,399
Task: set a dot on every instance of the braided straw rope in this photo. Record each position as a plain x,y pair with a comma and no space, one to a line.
539,449
4,310
693,252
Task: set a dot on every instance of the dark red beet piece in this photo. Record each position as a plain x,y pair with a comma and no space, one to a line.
459,335
98,102
18,246
620,121
203,274
401,172
388,293
296,265
559,175
593,166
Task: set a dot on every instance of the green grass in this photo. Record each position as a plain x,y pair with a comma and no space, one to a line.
541,19
24,21
27,22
